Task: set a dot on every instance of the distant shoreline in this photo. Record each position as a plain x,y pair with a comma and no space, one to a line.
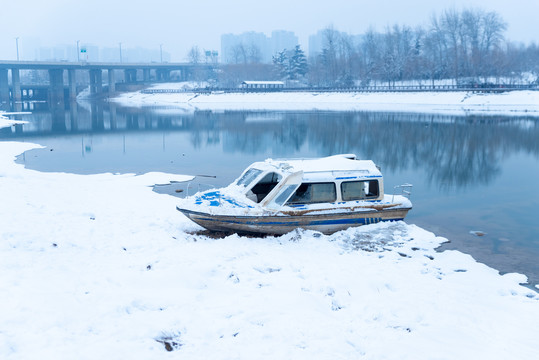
510,103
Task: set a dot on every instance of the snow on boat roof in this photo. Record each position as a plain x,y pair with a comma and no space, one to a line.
343,162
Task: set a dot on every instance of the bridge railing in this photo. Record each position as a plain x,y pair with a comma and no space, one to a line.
399,88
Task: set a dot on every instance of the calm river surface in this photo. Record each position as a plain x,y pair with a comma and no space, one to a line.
470,173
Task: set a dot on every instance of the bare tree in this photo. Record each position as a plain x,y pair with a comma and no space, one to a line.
467,46
194,55
329,55
238,53
254,54
371,52
451,24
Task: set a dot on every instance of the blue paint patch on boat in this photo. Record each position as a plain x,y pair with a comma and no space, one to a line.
215,198
298,206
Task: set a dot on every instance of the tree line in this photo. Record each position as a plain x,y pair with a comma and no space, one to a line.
466,47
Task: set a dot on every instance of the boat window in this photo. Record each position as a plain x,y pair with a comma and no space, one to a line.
359,190
284,194
314,193
249,176
265,185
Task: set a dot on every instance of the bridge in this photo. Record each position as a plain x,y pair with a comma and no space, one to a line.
56,87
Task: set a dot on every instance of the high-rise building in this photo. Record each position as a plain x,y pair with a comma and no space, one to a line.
281,39
316,43
93,53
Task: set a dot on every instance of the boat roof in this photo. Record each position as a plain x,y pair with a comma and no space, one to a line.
343,163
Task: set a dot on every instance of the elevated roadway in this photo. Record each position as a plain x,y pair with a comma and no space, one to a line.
57,69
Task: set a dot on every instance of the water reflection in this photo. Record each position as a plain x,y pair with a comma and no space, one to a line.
454,151
469,172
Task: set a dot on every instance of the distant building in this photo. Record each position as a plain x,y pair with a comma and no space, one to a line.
111,54
92,53
281,39
58,53
61,53
316,43
44,54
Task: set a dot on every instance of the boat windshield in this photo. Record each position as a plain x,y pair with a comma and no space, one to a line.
284,194
248,177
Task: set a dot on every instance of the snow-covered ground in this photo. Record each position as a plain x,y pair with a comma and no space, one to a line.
515,103
6,122
102,267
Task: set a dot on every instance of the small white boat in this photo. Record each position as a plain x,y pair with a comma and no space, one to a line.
277,196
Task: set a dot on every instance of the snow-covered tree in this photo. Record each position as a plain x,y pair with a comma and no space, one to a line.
280,64
297,65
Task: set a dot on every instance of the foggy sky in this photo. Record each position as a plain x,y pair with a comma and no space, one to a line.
178,24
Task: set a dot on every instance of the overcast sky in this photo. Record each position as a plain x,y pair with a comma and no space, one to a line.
179,24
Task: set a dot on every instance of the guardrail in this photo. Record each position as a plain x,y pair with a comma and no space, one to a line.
415,88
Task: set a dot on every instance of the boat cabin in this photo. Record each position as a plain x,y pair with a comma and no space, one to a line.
296,183
326,195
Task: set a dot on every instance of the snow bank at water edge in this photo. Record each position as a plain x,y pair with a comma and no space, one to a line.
5,122
514,103
100,266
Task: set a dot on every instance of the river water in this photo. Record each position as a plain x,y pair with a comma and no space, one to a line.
470,173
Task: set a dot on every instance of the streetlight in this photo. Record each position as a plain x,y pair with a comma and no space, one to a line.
78,51
120,51
17,43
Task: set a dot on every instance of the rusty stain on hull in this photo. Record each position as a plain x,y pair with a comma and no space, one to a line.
327,223
379,207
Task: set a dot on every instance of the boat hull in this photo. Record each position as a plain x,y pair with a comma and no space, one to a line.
278,225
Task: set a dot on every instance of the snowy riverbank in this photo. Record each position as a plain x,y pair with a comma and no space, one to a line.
100,266
515,103
6,122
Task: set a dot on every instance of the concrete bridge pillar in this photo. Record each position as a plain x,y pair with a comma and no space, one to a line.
4,90
112,81
56,89
130,75
72,78
16,81
96,81
146,75
163,74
